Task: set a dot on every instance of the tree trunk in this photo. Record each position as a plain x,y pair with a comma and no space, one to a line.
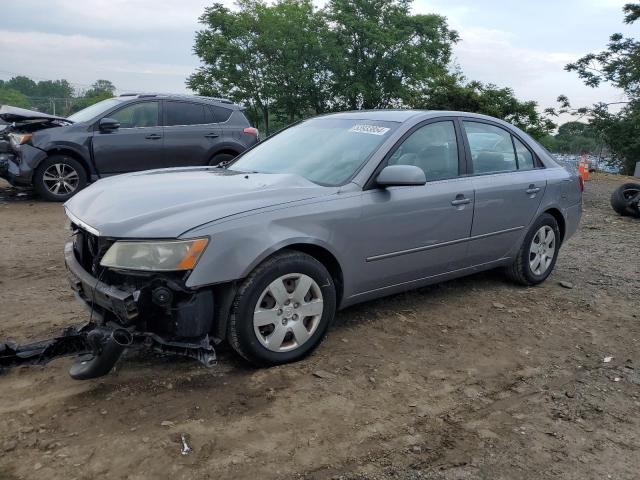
265,118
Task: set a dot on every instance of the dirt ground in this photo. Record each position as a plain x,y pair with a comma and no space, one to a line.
471,379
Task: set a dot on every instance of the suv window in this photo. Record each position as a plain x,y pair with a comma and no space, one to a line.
525,158
491,148
144,114
220,114
433,148
183,113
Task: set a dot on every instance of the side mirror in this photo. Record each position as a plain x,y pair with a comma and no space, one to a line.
401,175
108,124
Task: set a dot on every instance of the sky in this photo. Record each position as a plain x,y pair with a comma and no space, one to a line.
146,45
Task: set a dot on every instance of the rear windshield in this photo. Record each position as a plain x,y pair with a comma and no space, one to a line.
327,151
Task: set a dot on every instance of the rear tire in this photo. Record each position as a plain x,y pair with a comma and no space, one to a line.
271,329
620,199
221,157
538,254
58,178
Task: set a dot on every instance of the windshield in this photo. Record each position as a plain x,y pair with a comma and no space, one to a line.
94,110
324,150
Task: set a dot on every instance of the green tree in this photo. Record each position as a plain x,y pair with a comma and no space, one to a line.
235,64
101,88
23,84
619,65
296,48
381,54
453,94
54,88
577,138
9,96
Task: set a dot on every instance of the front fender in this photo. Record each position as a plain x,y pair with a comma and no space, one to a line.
238,245
316,242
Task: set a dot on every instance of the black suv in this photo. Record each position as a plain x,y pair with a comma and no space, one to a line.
59,156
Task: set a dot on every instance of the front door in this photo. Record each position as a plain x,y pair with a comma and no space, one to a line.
508,186
136,145
417,232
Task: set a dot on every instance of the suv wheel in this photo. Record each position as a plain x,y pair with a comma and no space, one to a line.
538,254
58,178
282,310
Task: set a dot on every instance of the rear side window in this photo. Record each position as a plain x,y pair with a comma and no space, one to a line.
525,158
220,114
183,113
433,148
143,114
491,148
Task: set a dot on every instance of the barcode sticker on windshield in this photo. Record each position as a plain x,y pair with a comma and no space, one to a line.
370,129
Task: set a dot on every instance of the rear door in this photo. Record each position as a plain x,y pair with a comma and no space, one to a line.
417,232
191,133
509,186
136,145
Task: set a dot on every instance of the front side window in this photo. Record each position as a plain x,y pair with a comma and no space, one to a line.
433,148
325,150
491,148
183,113
137,115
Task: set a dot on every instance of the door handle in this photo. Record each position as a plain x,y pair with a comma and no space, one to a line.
153,136
212,135
460,200
532,189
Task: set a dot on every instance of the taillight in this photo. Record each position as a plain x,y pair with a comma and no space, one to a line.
252,131
581,183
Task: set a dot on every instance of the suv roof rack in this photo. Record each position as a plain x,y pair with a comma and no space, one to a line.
176,95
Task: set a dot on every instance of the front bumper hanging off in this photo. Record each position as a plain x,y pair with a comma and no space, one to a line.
102,346
150,317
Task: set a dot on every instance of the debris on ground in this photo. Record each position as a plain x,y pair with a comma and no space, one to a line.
186,449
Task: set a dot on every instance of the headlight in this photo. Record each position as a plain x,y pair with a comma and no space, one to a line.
163,256
19,138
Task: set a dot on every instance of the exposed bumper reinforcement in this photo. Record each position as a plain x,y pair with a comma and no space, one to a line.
121,302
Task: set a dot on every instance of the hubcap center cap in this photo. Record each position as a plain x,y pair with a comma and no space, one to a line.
287,311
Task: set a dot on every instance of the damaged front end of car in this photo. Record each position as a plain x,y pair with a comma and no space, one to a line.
137,298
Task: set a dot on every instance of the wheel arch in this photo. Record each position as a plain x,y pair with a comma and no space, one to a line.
225,150
225,293
313,247
70,152
562,223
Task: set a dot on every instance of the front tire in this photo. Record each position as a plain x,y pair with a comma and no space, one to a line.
58,178
220,158
282,310
538,254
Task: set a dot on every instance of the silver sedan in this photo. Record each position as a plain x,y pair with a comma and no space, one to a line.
332,211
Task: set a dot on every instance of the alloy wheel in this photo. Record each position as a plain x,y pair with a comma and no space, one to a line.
61,179
542,250
288,312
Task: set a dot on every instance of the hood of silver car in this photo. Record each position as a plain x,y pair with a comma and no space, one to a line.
167,203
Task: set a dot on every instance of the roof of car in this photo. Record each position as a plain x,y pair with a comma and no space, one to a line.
402,115
180,96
